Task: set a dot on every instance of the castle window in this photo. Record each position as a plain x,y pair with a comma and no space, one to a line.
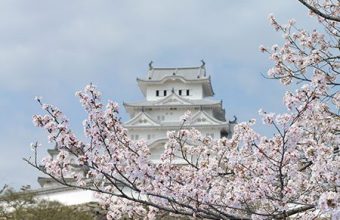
134,137
188,92
164,92
224,133
180,92
160,117
157,92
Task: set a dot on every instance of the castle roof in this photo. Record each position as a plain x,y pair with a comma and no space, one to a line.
200,118
174,99
188,73
195,75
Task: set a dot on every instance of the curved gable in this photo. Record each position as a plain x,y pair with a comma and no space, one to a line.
202,118
141,119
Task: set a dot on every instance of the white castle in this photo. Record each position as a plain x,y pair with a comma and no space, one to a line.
169,93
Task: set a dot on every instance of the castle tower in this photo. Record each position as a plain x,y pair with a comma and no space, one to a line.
169,93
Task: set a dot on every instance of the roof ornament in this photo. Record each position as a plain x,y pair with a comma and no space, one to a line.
150,65
203,64
172,90
233,121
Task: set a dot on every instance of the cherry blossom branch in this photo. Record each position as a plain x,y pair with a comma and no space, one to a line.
318,12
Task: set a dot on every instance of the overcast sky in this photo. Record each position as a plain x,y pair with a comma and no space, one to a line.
54,48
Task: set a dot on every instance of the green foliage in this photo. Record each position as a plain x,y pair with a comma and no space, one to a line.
23,205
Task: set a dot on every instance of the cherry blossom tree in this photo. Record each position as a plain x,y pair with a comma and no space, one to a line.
294,173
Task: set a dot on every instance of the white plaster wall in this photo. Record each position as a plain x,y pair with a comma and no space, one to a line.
212,132
151,135
156,153
167,115
196,90
70,197
155,134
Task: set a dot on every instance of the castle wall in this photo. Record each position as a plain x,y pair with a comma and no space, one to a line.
195,90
